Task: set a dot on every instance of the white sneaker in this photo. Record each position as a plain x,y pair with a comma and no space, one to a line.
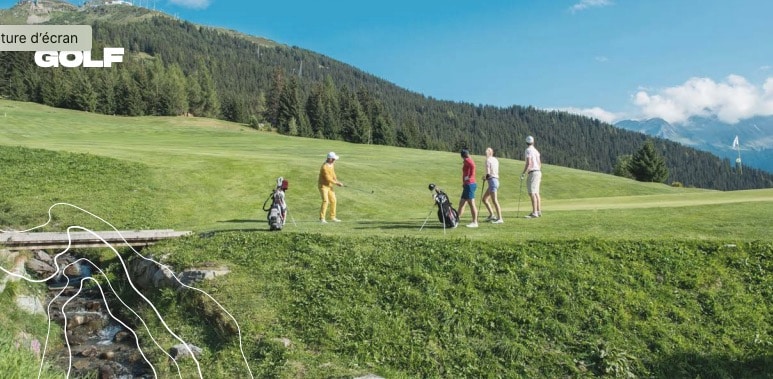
532,215
472,225
322,220
335,220
499,221
491,218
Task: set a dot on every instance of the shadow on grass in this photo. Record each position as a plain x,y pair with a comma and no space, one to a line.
397,225
242,220
361,225
212,233
695,365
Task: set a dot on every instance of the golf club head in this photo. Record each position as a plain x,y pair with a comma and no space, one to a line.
431,186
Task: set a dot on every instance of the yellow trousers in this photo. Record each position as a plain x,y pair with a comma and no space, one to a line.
328,197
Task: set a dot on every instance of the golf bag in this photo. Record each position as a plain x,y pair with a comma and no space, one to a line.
446,213
277,211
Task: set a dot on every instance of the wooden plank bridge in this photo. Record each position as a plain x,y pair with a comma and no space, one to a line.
59,240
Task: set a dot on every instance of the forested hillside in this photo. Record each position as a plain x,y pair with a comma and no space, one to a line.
174,67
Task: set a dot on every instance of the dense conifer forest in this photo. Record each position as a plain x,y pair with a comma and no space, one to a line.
174,67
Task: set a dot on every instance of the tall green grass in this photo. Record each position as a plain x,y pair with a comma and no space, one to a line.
417,307
23,335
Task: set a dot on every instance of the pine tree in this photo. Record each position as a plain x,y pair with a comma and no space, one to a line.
331,122
259,109
17,75
129,97
83,97
623,166
54,88
383,132
647,165
150,79
18,88
234,109
210,106
106,83
273,98
314,109
289,107
407,134
355,126
173,96
195,95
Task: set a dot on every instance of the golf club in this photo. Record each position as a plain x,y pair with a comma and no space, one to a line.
291,218
427,219
358,189
520,192
483,191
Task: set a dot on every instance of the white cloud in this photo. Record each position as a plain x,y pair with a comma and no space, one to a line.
732,100
595,112
585,4
601,59
765,68
195,4
767,97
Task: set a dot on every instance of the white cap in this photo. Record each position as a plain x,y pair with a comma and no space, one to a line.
529,139
332,155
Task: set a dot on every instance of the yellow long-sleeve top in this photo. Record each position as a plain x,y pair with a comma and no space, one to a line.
327,175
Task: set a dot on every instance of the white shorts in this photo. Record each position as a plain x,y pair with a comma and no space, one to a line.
533,181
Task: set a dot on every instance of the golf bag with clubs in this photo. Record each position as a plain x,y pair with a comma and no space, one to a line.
277,211
446,213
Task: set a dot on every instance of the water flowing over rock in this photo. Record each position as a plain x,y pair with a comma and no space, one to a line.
99,346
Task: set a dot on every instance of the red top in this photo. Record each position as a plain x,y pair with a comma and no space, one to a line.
468,171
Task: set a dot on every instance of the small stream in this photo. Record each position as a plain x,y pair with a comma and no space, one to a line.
100,346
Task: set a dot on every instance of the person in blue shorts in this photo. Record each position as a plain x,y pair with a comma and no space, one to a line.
468,188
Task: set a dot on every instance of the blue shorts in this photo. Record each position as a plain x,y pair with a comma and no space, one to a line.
468,191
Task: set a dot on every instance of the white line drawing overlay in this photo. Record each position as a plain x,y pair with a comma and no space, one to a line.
60,270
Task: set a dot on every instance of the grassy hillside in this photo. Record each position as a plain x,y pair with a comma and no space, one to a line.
415,307
204,174
618,279
240,71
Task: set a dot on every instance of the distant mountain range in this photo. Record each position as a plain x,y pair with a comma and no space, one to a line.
755,136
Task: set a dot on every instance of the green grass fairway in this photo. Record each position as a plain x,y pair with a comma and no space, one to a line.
202,174
617,279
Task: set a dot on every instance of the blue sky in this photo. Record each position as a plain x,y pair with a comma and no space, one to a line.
610,59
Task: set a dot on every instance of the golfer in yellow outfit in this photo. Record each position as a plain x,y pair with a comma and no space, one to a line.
327,178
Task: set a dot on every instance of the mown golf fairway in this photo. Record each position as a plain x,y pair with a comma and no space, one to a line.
208,174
